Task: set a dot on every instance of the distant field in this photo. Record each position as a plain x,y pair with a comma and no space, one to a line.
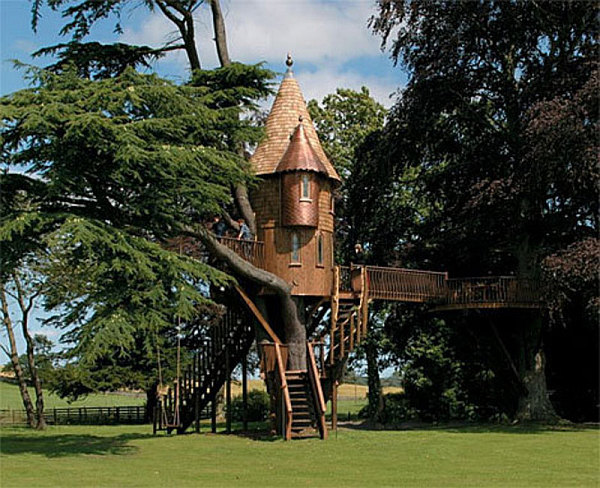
467,456
351,398
10,398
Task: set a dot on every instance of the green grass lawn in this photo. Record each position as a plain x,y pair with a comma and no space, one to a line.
10,398
467,456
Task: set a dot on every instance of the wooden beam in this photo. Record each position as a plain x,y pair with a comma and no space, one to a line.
334,399
245,392
265,325
227,391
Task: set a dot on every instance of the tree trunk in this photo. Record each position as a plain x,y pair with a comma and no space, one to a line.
295,331
14,359
533,402
293,325
151,402
240,191
35,377
39,393
220,33
375,395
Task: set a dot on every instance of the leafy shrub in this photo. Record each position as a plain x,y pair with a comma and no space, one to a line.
258,406
396,409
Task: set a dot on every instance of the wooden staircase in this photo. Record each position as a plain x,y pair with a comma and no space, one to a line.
296,394
304,420
220,350
349,317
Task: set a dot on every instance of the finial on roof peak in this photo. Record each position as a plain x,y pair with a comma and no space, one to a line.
289,62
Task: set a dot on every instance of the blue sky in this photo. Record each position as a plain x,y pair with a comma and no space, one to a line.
329,40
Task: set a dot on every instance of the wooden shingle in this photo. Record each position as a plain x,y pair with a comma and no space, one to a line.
288,110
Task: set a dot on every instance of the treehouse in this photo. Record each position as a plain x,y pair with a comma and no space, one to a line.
295,218
294,201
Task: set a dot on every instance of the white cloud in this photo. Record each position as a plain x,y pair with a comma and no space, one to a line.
25,46
316,32
321,34
324,81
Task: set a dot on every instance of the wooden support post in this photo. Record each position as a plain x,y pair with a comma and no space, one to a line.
213,415
245,392
352,331
335,305
227,392
334,405
342,340
364,301
154,419
196,389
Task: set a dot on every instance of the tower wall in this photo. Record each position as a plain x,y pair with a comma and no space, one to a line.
308,276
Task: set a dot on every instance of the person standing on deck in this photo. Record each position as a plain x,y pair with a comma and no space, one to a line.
244,232
219,227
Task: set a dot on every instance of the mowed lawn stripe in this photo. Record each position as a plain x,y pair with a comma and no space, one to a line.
469,456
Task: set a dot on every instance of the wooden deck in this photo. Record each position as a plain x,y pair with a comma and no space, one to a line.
409,285
417,286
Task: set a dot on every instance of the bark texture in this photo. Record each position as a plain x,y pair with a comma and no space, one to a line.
375,395
293,326
534,404
26,306
14,360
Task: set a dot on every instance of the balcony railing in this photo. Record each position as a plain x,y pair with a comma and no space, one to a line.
251,251
493,290
405,284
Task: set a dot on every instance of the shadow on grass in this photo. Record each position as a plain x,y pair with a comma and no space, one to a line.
61,445
466,428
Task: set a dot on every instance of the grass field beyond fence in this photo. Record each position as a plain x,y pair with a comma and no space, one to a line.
75,456
10,398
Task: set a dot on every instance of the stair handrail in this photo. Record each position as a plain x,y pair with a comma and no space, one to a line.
313,372
285,392
315,382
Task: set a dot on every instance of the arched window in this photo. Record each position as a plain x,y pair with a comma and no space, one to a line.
320,250
332,204
305,195
295,249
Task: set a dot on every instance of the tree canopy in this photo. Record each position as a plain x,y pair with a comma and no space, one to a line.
492,141
100,174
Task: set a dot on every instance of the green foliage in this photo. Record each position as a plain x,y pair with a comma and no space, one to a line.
259,406
462,122
396,410
343,120
99,176
484,167
96,61
433,377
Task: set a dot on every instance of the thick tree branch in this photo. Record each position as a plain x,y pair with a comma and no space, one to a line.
239,265
220,33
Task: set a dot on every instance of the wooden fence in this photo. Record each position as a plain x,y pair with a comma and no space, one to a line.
405,284
492,291
251,251
82,415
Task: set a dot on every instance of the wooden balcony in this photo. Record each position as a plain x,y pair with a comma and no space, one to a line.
410,285
251,251
407,285
490,292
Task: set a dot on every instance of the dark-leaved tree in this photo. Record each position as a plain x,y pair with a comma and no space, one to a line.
500,189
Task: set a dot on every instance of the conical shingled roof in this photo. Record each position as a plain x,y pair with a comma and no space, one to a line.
300,155
288,107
